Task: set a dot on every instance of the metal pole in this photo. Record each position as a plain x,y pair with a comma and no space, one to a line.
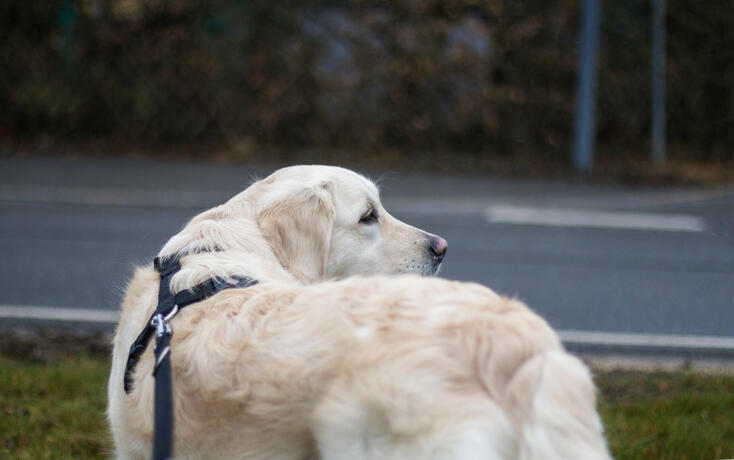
66,18
658,82
585,122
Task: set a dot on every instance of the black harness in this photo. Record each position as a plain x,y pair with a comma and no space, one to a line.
169,305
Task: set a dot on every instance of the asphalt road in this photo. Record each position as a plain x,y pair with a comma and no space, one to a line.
71,231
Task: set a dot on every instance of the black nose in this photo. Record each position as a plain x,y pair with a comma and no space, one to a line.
437,247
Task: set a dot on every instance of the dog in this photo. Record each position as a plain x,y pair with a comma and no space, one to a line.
327,357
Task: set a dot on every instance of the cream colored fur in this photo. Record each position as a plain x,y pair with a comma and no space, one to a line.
299,367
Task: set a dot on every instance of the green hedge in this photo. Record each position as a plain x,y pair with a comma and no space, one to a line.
492,75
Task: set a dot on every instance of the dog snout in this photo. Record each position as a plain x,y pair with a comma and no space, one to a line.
437,247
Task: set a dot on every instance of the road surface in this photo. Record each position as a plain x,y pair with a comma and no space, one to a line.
613,267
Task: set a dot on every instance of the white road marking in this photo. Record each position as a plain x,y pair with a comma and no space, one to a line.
688,342
59,314
594,219
691,342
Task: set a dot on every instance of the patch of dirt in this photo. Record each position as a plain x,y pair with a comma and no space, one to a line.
48,345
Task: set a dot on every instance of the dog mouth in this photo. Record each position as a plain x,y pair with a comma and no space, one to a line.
426,269
434,267
436,263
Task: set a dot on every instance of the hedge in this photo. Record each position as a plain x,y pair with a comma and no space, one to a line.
469,75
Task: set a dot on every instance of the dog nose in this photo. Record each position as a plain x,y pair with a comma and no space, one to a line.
437,246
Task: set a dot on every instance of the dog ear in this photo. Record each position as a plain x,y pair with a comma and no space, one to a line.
298,229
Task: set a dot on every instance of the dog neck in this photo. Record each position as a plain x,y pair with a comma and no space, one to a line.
197,267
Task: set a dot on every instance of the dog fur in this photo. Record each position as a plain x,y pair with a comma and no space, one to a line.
301,367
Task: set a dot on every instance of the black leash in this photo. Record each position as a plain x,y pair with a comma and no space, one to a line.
163,394
169,305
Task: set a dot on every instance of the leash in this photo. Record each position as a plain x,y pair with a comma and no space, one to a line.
169,305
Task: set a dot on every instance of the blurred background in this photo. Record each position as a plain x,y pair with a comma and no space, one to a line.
123,118
486,84
576,154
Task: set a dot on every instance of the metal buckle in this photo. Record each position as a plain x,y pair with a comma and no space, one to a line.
171,313
160,322
162,329
161,325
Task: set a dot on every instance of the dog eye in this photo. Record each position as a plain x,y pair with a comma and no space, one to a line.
370,217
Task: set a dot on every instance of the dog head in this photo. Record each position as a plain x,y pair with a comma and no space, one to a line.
325,222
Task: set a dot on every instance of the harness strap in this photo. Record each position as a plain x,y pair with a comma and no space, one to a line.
168,306
210,287
166,267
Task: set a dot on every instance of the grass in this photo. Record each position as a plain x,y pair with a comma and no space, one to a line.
56,410
671,415
53,411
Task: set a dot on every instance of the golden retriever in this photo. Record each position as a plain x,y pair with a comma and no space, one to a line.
301,367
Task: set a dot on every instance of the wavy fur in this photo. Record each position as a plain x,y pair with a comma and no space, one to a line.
300,367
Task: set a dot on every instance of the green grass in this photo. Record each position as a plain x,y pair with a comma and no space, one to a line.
672,415
53,411
56,411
